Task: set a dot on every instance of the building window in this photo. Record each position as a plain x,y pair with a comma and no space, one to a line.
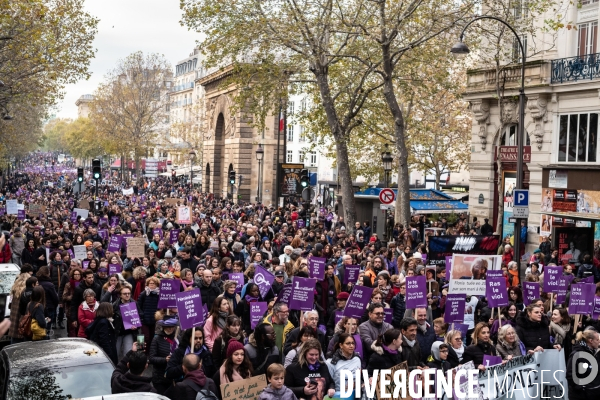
313,158
290,156
301,156
303,105
587,36
521,8
291,108
577,137
517,55
302,137
585,2
290,133
509,136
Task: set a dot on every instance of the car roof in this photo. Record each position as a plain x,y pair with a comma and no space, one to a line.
64,352
10,267
129,396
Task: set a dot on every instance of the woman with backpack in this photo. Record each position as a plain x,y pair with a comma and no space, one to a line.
36,316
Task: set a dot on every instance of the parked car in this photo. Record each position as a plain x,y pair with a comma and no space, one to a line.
8,275
54,369
128,396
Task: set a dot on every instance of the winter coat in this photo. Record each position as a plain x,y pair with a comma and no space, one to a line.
17,244
504,349
475,353
209,294
243,311
78,295
412,355
24,300
339,363
57,270
453,358
369,333
383,359
586,270
295,378
160,349
286,329
437,361
118,320
27,257
211,332
333,288
184,390
260,364
86,316
577,391
123,381
51,294
148,304
6,254
425,340
102,332
285,393
533,334
219,350
174,366
398,306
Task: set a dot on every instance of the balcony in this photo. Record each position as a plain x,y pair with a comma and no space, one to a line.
484,80
573,69
183,86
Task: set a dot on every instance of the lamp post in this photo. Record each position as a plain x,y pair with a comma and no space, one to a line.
461,49
260,154
387,160
192,155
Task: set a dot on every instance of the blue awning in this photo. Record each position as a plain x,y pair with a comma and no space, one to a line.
439,207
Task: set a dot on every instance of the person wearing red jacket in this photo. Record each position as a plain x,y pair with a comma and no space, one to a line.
5,253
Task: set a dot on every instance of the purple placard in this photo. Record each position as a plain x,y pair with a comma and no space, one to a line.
21,215
103,234
589,279
389,315
463,328
561,291
114,245
204,312
582,297
424,258
130,316
351,274
494,273
189,308
85,264
301,223
455,307
338,316
570,278
238,277
114,221
490,361
531,291
74,217
596,310
2,211
70,251
264,279
416,292
157,231
357,302
168,289
316,267
284,295
448,265
551,275
495,292
303,294
124,239
103,221
173,233
114,269
257,312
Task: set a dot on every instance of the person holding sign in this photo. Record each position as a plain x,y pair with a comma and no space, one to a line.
509,345
532,329
237,365
194,383
481,345
309,378
174,365
125,337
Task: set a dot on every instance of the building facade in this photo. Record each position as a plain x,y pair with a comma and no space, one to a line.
561,163
83,105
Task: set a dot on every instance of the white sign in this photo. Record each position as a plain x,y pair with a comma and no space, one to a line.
387,206
80,252
12,207
521,212
127,192
82,212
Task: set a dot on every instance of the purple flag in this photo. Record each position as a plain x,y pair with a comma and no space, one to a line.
531,291
114,269
416,292
582,298
130,316
264,279
490,361
238,277
168,289
551,275
173,233
455,307
284,295
351,274
357,302
189,308
257,311
70,251
496,293
316,267
596,310
114,244
389,315
303,294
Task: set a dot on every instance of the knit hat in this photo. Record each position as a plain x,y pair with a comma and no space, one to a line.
319,247
233,346
343,296
87,243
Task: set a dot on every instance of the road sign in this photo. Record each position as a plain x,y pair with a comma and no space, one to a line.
521,198
520,212
386,206
387,196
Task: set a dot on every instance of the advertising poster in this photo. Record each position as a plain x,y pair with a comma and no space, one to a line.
469,273
545,225
547,196
441,247
510,181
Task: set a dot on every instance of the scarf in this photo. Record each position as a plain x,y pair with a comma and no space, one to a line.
411,343
152,291
173,343
222,320
139,286
177,274
198,353
459,352
250,299
389,350
232,298
314,367
74,284
186,284
339,356
384,291
423,327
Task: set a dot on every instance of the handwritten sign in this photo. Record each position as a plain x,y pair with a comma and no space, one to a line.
80,252
244,389
136,247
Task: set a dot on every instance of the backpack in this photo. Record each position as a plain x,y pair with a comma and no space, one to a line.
202,394
25,325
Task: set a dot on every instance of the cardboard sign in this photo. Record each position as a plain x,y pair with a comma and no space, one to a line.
136,247
37,209
81,212
391,386
245,389
12,207
172,201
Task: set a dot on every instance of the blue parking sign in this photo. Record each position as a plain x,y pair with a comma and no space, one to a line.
521,198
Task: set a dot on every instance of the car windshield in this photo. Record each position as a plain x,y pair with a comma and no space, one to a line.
7,279
61,383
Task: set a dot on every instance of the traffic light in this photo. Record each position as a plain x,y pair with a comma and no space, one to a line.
80,174
304,178
96,168
232,177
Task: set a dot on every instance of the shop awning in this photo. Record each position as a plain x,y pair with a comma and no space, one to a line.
438,207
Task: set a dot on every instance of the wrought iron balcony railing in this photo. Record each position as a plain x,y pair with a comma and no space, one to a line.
573,69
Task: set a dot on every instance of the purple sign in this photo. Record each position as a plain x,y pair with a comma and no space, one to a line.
238,277
316,267
21,215
357,302
204,312
463,328
301,223
582,298
531,291
103,234
173,233
589,279
490,361
424,258
448,265
416,292
264,279
130,316
103,221
85,264
189,308
124,239
494,273
455,307
114,221
551,275
70,251
389,315
114,269
561,292
114,245
168,289
495,292
2,211
596,310
338,316
158,232
74,217
257,312
284,295
303,294
351,274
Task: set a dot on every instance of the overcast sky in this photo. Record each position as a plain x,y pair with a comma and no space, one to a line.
127,26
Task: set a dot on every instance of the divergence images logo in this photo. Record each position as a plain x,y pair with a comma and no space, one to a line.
584,368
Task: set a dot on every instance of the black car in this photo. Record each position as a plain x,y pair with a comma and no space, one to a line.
54,369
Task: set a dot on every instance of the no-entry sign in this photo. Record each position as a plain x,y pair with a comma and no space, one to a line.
387,196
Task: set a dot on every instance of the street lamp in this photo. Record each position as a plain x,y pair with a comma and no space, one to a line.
387,160
192,155
260,154
461,49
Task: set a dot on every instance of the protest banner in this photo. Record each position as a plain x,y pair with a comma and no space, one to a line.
168,289
596,308
158,231
496,293
238,277
455,308
245,389
189,309
82,212
136,247
130,315
12,207
531,291
80,252
114,269
490,361
351,274
114,221
441,247
257,312
316,267
303,294
562,289
184,215
114,244
469,273
357,301
103,233
263,279
284,295
390,387
416,293
388,315
173,234
127,192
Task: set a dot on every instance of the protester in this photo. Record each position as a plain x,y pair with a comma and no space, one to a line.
586,342
163,345
127,376
102,331
509,345
174,364
480,346
533,329
87,312
237,366
232,330
148,304
262,349
217,321
344,358
310,375
276,390
194,383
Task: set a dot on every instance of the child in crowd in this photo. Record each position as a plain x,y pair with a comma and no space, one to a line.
276,388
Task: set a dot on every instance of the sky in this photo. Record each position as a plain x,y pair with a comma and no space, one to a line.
127,26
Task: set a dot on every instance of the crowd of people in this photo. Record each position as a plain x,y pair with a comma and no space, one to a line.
301,353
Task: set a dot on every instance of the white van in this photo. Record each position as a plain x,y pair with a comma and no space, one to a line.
8,275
